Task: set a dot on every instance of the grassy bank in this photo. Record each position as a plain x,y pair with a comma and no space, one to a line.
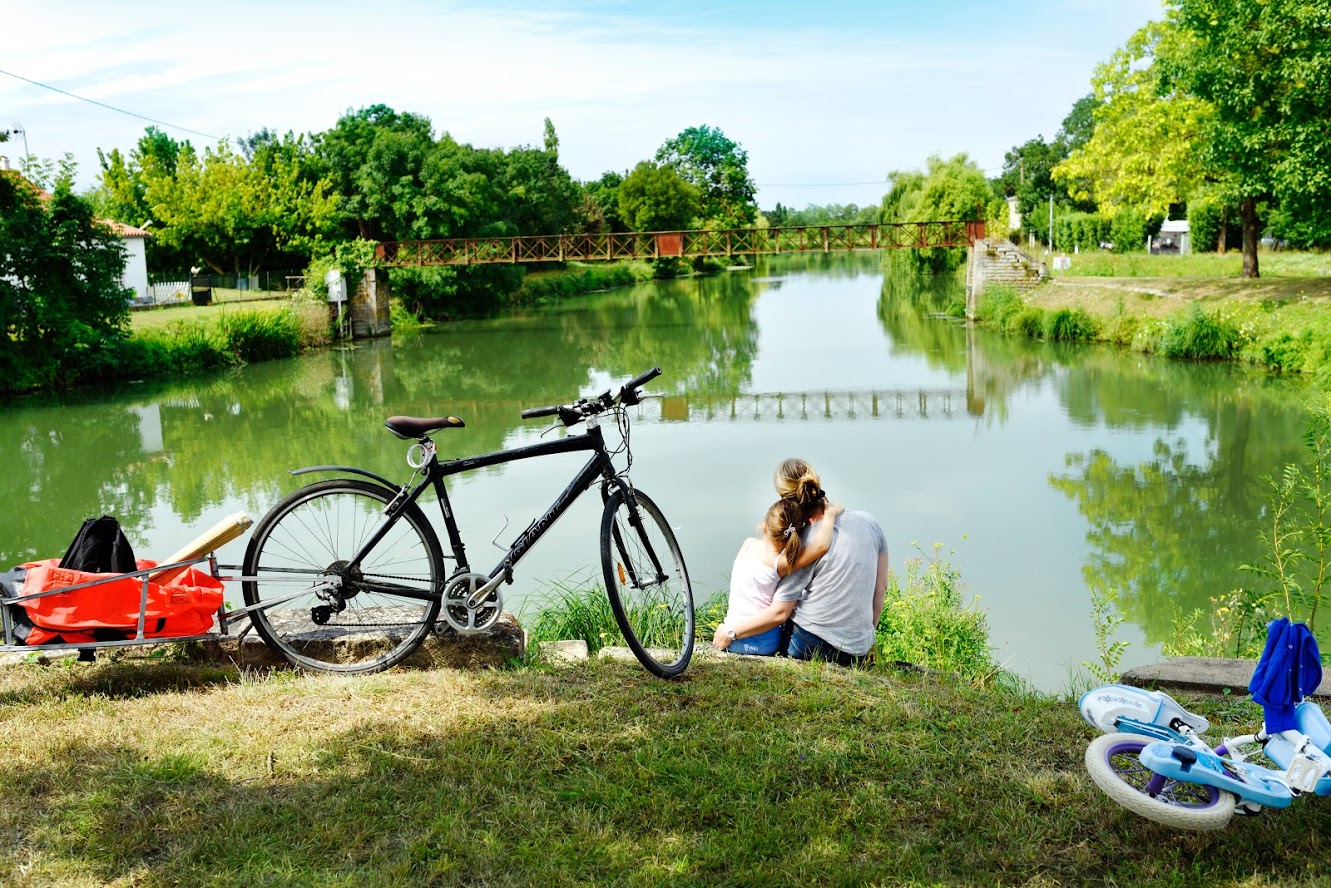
746,771
1188,307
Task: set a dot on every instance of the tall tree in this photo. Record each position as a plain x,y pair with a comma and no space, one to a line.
1264,66
656,198
719,168
63,307
1144,154
954,188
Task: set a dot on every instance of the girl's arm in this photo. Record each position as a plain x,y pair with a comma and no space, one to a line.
818,544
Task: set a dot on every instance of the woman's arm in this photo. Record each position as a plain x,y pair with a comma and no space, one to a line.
769,617
818,544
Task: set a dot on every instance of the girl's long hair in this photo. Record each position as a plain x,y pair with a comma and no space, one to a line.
783,523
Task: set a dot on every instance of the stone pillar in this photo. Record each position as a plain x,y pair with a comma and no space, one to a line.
369,305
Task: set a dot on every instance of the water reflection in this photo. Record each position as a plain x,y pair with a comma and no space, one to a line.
1066,467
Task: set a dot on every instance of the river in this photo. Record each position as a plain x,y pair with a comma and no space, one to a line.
1041,471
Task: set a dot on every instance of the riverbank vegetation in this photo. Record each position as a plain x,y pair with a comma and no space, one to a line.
746,770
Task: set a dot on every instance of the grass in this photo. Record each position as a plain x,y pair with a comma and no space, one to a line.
742,772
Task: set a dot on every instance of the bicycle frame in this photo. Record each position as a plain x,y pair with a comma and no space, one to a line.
599,466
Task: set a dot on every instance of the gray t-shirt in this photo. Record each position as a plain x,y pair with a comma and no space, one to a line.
835,593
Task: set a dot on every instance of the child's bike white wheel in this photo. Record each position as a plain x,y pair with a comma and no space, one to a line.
1112,762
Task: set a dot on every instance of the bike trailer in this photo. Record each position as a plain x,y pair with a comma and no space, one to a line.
67,606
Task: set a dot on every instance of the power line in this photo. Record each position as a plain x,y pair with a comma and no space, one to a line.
816,184
183,129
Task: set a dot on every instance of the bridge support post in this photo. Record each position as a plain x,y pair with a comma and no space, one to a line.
974,279
369,306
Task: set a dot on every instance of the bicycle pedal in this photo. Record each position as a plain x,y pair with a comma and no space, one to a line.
1303,773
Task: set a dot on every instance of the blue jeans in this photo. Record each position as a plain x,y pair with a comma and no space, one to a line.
764,645
804,645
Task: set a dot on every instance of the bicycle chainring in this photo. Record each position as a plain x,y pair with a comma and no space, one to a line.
464,617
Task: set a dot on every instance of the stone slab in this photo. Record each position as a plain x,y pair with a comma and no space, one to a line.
1203,675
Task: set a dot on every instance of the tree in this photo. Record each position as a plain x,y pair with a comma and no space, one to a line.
1144,152
63,308
1264,67
600,205
719,169
656,198
950,189
374,158
121,194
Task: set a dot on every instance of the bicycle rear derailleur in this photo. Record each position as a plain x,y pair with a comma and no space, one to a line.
465,616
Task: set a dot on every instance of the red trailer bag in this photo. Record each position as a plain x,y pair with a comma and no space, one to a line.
185,606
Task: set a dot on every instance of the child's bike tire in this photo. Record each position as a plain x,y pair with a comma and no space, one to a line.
1112,762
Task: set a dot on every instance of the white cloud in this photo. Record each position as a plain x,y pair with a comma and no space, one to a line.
826,104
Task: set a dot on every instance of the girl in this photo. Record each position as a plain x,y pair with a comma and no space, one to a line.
762,562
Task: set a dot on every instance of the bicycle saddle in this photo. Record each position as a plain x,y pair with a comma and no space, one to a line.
419,426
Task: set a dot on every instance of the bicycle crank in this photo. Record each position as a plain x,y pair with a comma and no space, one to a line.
466,617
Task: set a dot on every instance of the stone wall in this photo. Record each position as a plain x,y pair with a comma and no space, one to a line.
998,261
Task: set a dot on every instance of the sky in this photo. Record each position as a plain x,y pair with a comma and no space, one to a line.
827,98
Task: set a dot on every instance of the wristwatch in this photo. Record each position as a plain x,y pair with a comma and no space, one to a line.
730,633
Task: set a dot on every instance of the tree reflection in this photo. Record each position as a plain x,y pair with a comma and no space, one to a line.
1171,531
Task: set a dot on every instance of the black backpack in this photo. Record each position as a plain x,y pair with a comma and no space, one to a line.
100,547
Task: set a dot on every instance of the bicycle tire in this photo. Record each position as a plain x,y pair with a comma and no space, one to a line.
647,583
312,533
1111,760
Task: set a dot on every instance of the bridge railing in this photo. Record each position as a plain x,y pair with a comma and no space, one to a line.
682,244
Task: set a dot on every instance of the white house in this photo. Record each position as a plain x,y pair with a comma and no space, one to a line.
136,262
1173,238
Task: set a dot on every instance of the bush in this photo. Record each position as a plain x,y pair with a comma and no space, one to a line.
1199,336
1128,232
1029,322
925,621
260,336
1069,325
997,304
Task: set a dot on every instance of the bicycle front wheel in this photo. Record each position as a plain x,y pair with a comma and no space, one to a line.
647,583
320,610
1112,762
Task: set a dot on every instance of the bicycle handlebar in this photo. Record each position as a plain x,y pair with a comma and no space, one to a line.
570,414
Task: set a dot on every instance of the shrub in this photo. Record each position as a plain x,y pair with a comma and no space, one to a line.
997,304
1029,322
1199,336
1069,325
260,336
1128,232
925,621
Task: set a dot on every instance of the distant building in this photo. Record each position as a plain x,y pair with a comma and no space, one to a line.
1013,214
1173,238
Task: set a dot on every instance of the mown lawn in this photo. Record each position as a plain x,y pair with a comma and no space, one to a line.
745,772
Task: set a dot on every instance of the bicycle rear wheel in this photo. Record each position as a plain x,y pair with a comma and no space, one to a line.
647,583
323,613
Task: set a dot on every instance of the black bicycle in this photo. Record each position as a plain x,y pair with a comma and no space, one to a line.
349,576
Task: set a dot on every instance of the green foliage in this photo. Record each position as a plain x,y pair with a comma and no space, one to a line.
719,169
951,189
1198,335
1127,232
1144,152
260,336
63,310
997,305
657,198
1069,325
1265,69
1084,231
925,621
831,214
579,279
1290,578
571,612
1105,620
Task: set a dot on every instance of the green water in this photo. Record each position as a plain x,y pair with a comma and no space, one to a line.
1048,470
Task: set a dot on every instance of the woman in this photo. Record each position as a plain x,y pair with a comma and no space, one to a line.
831,608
